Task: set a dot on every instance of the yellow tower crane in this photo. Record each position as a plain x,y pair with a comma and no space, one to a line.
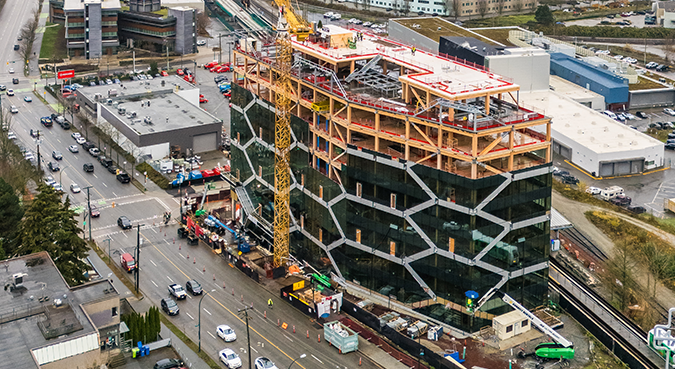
289,24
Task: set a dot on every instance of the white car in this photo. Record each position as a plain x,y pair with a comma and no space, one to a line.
669,111
328,15
336,16
11,70
74,149
225,332
201,42
229,358
11,135
264,363
29,155
80,140
76,135
367,24
593,190
75,188
10,92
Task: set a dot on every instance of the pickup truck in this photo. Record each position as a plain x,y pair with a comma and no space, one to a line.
177,291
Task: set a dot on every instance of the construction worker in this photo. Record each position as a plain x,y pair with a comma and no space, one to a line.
413,50
270,303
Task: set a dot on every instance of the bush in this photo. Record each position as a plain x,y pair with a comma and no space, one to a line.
154,175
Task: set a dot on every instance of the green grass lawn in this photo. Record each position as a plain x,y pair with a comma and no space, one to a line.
53,42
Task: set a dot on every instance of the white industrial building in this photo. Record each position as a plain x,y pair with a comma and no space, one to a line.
527,67
577,93
194,4
594,142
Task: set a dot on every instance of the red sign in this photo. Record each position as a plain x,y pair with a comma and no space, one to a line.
65,74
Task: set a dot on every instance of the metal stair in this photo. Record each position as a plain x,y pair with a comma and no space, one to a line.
244,200
365,68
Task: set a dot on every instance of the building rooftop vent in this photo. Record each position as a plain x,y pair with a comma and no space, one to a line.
592,122
581,131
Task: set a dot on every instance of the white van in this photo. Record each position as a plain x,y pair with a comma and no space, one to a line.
609,114
611,192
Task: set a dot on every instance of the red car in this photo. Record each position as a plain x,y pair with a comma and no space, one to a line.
210,65
202,100
180,72
164,73
223,69
227,94
213,69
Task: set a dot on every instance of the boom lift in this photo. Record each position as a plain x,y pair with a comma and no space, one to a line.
289,24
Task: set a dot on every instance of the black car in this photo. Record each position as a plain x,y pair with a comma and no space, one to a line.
123,177
568,179
106,162
193,287
16,47
88,167
124,222
113,169
641,114
636,209
560,172
170,307
15,81
670,146
168,364
621,200
57,155
65,125
53,166
88,145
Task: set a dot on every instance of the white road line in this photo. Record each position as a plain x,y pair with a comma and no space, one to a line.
256,351
211,334
289,338
113,193
153,282
188,314
200,271
190,297
317,359
95,176
657,192
153,263
125,234
208,312
217,285
171,280
103,183
154,230
167,241
181,255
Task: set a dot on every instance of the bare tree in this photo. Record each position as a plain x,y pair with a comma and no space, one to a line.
28,33
500,6
619,272
518,5
456,8
482,7
406,7
203,22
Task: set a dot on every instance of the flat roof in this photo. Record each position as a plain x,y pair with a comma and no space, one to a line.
571,90
435,27
166,112
558,221
42,279
136,88
441,75
477,46
79,5
595,131
606,78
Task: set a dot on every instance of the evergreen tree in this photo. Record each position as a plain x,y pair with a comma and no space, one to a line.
11,213
543,15
49,225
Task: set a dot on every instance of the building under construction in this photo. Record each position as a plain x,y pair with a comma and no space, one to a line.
413,176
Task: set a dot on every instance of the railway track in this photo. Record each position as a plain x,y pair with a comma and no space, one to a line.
581,240
623,337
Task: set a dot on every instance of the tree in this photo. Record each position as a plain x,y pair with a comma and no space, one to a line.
153,68
14,169
500,6
543,15
518,5
203,22
619,268
482,7
456,8
49,225
28,34
11,213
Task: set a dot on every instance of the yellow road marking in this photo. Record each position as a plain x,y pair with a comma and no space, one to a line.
223,306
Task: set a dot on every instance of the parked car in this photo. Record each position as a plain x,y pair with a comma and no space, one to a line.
560,172
88,145
621,200
95,152
169,306
636,209
168,364
264,363
123,177
593,190
641,114
569,179
670,146
106,162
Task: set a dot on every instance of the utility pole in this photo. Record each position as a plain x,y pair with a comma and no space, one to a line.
37,141
248,337
89,211
220,47
138,252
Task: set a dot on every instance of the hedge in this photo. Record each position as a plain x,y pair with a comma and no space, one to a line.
154,175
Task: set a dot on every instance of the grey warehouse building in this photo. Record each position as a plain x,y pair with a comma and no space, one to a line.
153,118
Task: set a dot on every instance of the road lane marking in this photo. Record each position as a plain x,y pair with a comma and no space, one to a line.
181,255
211,334
188,314
208,312
170,280
153,282
317,359
103,183
236,316
114,194
288,338
125,234
153,263
94,176
154,230
253,348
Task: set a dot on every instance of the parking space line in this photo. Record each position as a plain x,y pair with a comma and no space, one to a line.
211,334
153,282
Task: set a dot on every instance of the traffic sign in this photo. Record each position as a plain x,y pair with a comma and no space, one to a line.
65,74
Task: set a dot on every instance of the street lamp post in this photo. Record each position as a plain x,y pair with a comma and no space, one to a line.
301,357
138,253
61,173
199,331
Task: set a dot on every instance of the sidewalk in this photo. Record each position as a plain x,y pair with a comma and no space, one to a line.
189,357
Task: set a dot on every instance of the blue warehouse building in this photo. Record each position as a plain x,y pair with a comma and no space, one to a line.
596,79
